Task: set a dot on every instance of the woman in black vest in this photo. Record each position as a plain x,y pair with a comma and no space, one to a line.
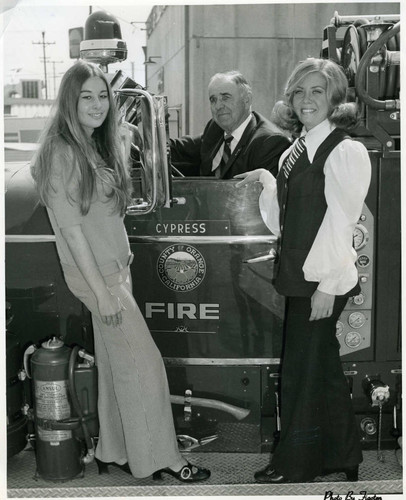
313,205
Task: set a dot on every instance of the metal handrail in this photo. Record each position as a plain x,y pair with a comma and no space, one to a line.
145,208
340,21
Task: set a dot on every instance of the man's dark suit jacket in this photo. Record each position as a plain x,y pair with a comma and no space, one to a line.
260,146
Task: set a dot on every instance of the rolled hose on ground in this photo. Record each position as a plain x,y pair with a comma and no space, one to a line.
76,405
361,72
238,413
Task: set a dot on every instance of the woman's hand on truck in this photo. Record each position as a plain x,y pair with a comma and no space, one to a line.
258,175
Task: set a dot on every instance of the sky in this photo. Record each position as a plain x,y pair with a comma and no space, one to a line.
24,23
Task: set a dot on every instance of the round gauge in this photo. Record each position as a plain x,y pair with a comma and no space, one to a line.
360,236
339,328
356,319
353,339
358,299
363,260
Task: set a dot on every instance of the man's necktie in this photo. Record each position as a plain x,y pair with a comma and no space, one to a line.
226,155
298,149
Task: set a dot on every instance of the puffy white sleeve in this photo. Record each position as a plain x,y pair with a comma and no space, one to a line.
332,256
268,203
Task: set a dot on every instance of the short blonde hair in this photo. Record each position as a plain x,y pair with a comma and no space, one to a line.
341,113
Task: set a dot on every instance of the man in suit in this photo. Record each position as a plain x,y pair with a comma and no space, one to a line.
236,140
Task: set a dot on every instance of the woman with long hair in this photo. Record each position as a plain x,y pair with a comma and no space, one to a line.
313,205
82,178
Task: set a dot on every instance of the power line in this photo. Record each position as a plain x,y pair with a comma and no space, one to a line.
53,66
44,44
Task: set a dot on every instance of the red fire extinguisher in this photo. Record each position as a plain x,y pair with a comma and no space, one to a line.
58,416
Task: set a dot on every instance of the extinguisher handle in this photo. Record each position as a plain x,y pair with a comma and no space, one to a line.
30,350
85,355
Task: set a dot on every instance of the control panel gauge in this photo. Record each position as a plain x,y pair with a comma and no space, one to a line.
363,260
360,236
339,328
353,339
356,319
358,299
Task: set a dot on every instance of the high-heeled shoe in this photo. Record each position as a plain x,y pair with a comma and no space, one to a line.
262,475
271,476
187,474
103,467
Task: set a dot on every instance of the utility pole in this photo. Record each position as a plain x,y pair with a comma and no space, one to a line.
44,44
144,48
54,75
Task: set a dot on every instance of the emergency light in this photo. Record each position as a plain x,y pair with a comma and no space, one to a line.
103,44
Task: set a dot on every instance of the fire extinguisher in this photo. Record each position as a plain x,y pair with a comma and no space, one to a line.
58,416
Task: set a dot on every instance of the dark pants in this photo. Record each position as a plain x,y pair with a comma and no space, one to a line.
318,427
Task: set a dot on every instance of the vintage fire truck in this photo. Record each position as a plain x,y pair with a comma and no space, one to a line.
202,276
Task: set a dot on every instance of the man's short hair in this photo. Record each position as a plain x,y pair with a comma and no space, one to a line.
236,77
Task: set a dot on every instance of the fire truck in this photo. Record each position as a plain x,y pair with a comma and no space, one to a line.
203,274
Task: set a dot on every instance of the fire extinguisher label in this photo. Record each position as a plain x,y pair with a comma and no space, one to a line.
52,403
54,437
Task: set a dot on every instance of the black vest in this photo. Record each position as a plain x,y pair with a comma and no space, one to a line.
302,208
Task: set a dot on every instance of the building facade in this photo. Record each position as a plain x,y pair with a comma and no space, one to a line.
187,44
25,111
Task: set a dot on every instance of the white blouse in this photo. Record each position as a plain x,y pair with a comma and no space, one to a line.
347,177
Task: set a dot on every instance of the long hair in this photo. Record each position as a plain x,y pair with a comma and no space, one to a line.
341,114
86,158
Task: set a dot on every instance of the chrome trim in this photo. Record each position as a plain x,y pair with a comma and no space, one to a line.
207,239
29,238
41,238
271,255
146,208
220,361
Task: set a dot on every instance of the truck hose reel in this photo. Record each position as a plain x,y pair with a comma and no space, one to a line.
393,58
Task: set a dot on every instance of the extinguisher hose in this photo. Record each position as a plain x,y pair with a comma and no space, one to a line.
77,406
